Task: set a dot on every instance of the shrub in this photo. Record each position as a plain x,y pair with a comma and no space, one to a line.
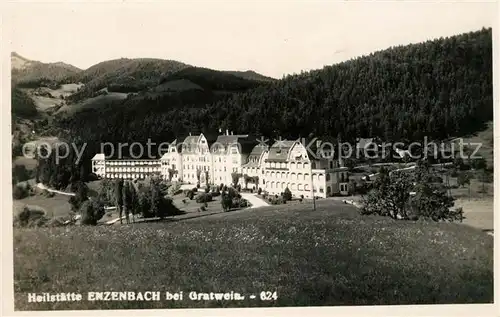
30,217
92,211
174,190
190,195
259,191
19,192
215,194
287,194
239,202
20,174
203,198
463,179
207,189
55,222
226,201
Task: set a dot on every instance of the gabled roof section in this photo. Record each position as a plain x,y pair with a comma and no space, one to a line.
99,157
244,143
190,144
255,155
279,150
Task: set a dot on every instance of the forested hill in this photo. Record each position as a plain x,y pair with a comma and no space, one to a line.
125,75
29,73
438,88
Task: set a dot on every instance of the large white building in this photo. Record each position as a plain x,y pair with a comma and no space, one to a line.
303,168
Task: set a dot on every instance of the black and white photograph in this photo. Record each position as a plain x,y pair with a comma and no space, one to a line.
249,154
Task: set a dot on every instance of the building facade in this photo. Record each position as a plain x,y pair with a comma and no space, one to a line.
304,169
305,172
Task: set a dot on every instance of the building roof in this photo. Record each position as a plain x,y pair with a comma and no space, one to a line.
99,157
363,142
244,143
189,144
256,153
279,150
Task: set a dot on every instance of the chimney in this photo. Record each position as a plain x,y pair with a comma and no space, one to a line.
227,132
189,133
231,132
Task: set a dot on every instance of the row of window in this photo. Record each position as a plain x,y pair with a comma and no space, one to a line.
297,165
127,176
298,176
125,163
292,186
132,169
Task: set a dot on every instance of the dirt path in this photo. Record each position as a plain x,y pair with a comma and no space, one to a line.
42,186
254,200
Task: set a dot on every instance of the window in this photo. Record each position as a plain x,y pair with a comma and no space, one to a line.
321,190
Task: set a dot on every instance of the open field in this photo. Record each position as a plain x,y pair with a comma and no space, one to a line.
332,256
485,138
54,207
91,103
29,163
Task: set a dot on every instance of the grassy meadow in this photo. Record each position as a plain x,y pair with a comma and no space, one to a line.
331,256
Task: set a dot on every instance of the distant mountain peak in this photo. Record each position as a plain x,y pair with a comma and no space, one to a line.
19,62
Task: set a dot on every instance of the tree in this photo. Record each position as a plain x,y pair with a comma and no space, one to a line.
106,192
156,200
207,178
92,211
432,202
479,163
235,178
127,199
287,194
81,195
226,201
171,173
463,179
198,175
392,197
458,163
119,197
247,179
485,176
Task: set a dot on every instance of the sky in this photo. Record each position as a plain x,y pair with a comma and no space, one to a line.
273,37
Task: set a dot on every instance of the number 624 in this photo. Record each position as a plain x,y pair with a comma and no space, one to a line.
268,295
